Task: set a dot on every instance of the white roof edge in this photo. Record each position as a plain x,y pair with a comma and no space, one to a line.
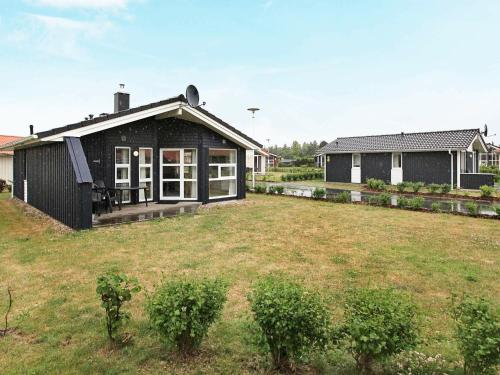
387,151
108,124
26,140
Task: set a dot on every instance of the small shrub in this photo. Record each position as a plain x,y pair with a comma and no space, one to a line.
3,184
433,188
379,323
376,184
293,320
478,333
401,186
497,210
279,189
181,311
436,207
416,363
342,197
283,177
415,203
384,199
271,190
472,208
402,201
373,200
445,188
115,289
486,191
416,186
491,169
318,193
260,189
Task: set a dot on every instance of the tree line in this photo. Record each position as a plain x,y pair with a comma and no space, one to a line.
297,150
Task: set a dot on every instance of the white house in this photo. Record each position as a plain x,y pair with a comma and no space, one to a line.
6,159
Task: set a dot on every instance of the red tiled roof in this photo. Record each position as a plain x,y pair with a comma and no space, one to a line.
7,139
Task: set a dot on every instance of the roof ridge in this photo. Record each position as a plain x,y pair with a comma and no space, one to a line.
430,132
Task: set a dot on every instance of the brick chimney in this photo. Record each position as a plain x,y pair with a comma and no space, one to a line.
122,99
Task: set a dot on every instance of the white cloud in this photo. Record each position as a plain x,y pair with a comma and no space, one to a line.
90,4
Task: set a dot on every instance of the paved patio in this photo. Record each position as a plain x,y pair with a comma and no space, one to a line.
139,212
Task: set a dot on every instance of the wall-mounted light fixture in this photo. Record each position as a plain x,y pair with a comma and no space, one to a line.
136,153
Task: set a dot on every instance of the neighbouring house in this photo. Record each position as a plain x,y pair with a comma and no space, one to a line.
6,159
492,157
260,161
432,157
181,153
272,160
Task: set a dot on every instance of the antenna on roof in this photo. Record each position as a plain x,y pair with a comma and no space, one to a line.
485,131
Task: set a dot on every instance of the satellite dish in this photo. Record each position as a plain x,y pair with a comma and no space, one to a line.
192,96
485,132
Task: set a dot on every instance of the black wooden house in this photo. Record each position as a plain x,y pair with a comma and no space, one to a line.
181,153
439,157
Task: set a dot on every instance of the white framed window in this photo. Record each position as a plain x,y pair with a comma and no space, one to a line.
178,174
146,173
397,160
356,160
122,170
222,165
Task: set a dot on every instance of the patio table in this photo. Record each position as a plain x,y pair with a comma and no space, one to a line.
132,189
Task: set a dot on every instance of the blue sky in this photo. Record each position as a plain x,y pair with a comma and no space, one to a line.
318,69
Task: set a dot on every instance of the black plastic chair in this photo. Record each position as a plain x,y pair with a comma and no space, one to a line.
98,200
109,195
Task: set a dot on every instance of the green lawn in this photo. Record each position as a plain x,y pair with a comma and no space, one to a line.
330,247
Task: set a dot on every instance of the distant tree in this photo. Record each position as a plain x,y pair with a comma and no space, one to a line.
323,144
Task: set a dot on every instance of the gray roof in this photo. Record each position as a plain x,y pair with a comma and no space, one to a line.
428,141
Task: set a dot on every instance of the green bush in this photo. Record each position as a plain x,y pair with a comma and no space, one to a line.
445,188
416,186
401,186
478,333
433,188
260,189
271,189
436,207
497,209
402,201
3,184
376,184
416,363
342,197
415,203
293,320
283,177
472,208
379,323
491,169
373,200
385,199
279,189
318,193
115,289
181,311
486,191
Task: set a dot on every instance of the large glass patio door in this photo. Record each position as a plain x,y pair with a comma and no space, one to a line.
178,174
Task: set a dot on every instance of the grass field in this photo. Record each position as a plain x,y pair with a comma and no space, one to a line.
330,247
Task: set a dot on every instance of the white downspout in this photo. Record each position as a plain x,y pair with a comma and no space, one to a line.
253,170
451,158
458,168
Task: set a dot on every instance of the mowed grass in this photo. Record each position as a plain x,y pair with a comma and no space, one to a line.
330,247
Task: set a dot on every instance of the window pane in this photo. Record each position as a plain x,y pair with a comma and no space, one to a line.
189,156
126,193
171,188
171,172
228,171
221,156
356,160
222,188
190,189
122,156
145,156
145,173
122,173
396,160
148,191
213,171
171,157
190,172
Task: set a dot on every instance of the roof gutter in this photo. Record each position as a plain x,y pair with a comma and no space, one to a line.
11,146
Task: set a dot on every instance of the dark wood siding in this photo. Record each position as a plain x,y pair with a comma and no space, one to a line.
157,134
338,167
52,186
19,173
428,167
376,166
475,180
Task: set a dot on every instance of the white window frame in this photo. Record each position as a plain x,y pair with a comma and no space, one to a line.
144,180
181,178
121,181
352,161
222,178
400,157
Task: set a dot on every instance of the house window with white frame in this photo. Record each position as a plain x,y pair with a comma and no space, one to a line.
146,173
356,160
179,174
222,173
122,170
397,160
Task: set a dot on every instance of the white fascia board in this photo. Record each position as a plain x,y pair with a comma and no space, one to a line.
222,129
387,151
481,140
104,125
